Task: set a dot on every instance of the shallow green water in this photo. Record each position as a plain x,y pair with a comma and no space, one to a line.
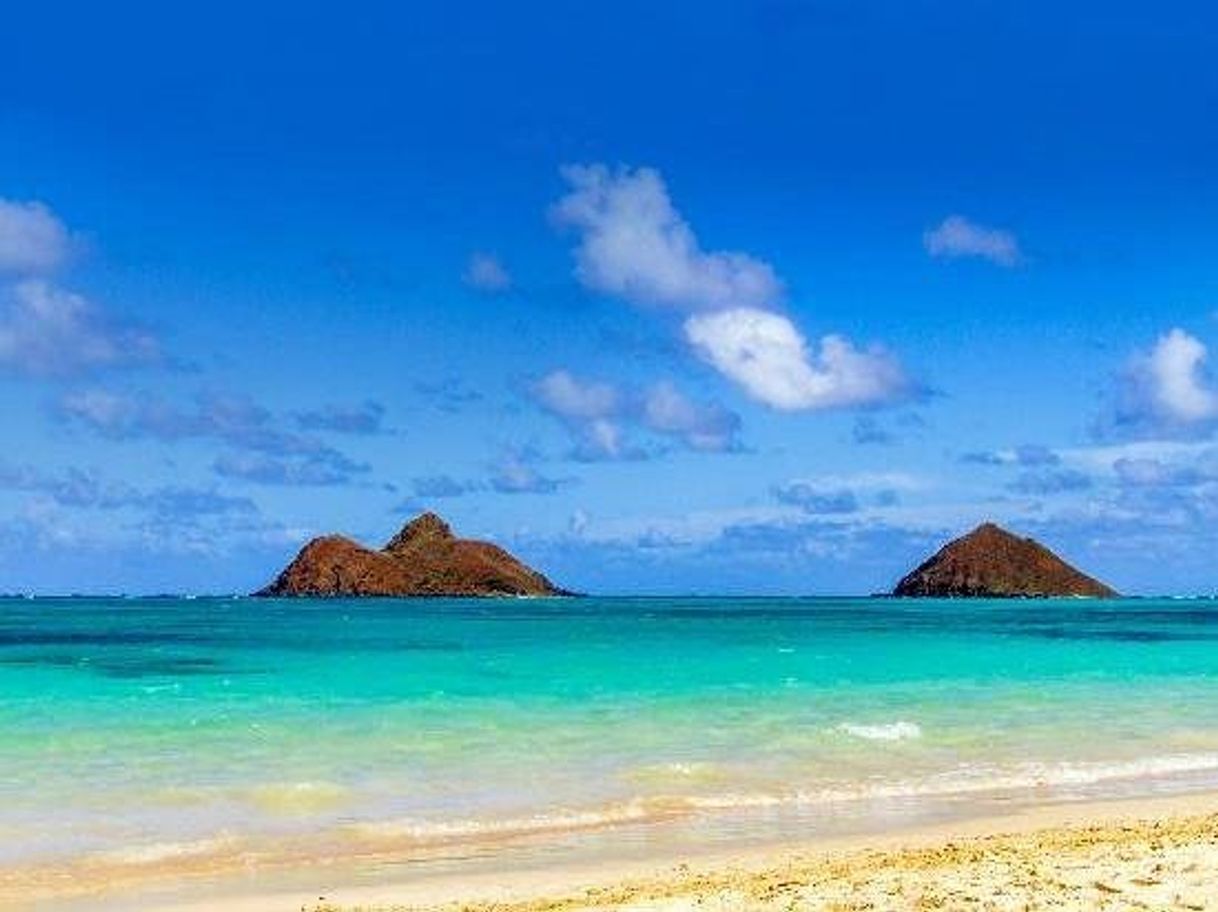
149,726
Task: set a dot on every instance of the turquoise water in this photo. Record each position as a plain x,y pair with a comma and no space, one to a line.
139,730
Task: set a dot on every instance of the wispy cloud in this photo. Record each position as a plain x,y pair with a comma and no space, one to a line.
46,331
957,237
33,241
486,272
815,499
449,395
867,430
364,418
323,467
263,451
82,488
1050,481
1026,455
517,473
599,416
432,487
1150,472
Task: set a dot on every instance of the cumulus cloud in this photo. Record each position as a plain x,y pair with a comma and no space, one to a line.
485,272
634,244
1169,387
46,331
957,236
598,415
591,410
568,397
33,241
767,355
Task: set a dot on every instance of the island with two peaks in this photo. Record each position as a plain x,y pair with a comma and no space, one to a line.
426,559
423,559
991,562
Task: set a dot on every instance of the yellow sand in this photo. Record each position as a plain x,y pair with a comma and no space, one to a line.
1157,854
1121,861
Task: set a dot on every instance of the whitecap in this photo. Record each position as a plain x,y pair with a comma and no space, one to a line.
890,731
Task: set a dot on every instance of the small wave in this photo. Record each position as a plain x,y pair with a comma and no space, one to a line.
969,780
156,852
966,780
443,830
892,731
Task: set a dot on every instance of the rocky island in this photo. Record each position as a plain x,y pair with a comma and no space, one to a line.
991,562
423,559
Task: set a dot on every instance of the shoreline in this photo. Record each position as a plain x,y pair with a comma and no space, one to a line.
1039,848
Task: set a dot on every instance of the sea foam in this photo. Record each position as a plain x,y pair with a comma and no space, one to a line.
891,731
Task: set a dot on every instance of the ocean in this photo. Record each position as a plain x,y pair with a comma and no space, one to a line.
143,731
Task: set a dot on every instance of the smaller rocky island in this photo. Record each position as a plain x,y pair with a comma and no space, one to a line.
423,559
991,562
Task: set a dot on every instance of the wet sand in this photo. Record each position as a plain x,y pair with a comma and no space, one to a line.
1157,854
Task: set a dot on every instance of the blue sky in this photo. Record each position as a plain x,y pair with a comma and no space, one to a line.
754,297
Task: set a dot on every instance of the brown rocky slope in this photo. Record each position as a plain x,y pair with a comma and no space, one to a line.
991,562
425,558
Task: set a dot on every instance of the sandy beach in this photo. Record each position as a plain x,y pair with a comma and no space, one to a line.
1149,855
1158,853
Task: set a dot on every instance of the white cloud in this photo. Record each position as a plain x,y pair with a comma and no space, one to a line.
766,354
486,272
516,474
564,395
598,412
711,427
957,237
635,244
1175,368
1167,387
46,331
590,409
32,239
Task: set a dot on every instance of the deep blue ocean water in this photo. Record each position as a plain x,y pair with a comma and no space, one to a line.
134,730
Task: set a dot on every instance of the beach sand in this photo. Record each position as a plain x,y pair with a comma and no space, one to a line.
1156,854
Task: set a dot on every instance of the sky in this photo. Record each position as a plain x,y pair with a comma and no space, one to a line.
766,297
